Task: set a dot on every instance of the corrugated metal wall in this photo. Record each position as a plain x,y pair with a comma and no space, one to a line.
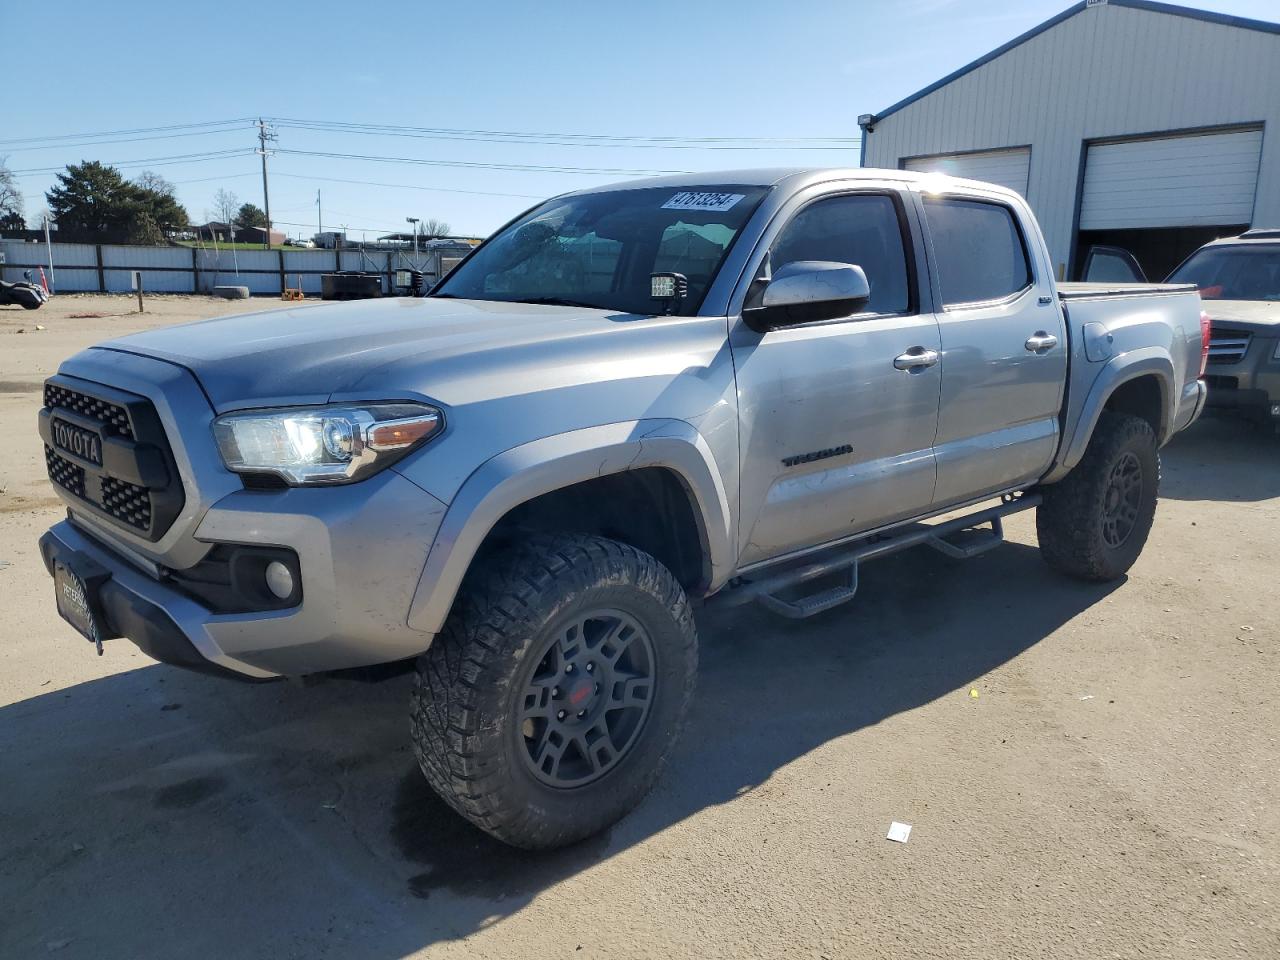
175,269
1107,71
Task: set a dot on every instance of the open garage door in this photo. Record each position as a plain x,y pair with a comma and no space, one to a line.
1008,168
1161,198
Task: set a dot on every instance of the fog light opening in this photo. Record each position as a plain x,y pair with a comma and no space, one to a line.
279,579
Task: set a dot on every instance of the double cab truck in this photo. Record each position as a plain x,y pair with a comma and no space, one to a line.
630,400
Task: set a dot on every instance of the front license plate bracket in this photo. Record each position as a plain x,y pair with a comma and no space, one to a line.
77,581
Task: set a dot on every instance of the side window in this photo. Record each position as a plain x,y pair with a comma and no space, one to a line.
979,250
862,229
1112,265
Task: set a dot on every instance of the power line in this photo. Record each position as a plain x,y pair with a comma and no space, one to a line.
225,176
345,226
474,165
574,140
565,136
551,138
150,161
410,186
99,143
122,133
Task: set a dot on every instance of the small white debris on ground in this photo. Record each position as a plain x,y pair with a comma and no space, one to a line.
898,832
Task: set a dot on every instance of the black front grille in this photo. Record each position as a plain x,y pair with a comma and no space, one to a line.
121,467
127,502
113,417
64,473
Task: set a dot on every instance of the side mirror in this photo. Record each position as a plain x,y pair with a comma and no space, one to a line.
809,290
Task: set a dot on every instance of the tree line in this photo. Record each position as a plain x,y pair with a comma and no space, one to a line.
96,198
93,199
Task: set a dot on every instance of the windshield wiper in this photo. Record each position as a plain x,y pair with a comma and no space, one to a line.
560,302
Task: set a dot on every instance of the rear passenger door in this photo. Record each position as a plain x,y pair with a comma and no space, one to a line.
1004,357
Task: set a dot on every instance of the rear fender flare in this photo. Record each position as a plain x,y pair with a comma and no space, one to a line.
551,463
1129,366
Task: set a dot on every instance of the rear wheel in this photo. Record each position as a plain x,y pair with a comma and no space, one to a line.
546,708
1094,523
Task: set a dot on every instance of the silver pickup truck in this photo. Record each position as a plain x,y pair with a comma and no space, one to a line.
733,387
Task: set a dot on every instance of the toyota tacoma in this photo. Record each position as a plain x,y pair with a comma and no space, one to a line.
726,387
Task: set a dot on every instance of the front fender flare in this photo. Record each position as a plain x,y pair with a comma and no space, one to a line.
1129,366
541,466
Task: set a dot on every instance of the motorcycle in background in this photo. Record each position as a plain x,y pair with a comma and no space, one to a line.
24,293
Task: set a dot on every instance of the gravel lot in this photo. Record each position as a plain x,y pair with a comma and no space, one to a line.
1111,791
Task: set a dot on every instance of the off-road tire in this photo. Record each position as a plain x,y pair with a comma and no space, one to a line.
470,685
1071,521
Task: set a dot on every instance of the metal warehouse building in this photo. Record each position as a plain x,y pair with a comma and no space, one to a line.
1123,122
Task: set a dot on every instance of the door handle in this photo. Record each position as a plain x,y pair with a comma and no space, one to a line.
917,358
1040,342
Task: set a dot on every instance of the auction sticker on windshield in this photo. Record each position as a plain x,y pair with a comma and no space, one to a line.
694,200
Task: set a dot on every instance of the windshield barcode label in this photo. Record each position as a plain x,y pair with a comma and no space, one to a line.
692,200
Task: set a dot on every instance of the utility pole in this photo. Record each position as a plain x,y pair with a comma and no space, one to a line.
319,218
265,134
414,221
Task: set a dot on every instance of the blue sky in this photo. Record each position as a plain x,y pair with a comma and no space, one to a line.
801,69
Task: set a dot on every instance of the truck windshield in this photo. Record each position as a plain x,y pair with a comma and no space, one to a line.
1233,273
599,249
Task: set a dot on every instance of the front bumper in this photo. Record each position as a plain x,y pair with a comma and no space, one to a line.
361,548
1250,387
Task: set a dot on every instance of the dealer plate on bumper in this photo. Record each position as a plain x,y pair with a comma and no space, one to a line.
76,594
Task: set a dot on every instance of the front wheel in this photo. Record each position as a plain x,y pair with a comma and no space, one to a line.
546,708
1094,523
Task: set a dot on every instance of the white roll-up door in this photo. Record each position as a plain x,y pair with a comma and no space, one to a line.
1008,168
1186,181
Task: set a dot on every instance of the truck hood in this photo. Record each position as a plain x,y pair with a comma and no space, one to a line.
1256,316
389,348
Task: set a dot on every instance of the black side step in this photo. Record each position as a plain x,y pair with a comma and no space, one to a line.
814,603
955,538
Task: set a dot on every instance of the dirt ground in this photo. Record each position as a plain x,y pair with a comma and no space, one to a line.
1110,790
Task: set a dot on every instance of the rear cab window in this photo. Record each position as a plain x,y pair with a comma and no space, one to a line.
979,249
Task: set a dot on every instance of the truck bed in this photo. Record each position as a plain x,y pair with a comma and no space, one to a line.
1095,291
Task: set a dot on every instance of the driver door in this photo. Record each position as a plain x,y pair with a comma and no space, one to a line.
836,427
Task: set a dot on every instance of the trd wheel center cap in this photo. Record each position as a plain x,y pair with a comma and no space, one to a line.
1113,498
580,693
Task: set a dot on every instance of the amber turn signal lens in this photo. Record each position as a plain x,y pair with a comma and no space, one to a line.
397,434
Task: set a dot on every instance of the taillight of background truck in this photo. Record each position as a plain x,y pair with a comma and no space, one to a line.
1206,330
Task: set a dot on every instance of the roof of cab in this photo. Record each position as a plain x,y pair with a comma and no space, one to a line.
793,177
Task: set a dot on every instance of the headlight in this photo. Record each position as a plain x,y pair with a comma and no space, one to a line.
335,444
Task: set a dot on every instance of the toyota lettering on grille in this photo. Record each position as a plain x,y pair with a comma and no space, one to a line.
77,441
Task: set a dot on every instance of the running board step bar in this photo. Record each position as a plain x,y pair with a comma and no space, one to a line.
956,538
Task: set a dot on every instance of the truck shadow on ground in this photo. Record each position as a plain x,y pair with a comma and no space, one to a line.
1222,458
161,813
